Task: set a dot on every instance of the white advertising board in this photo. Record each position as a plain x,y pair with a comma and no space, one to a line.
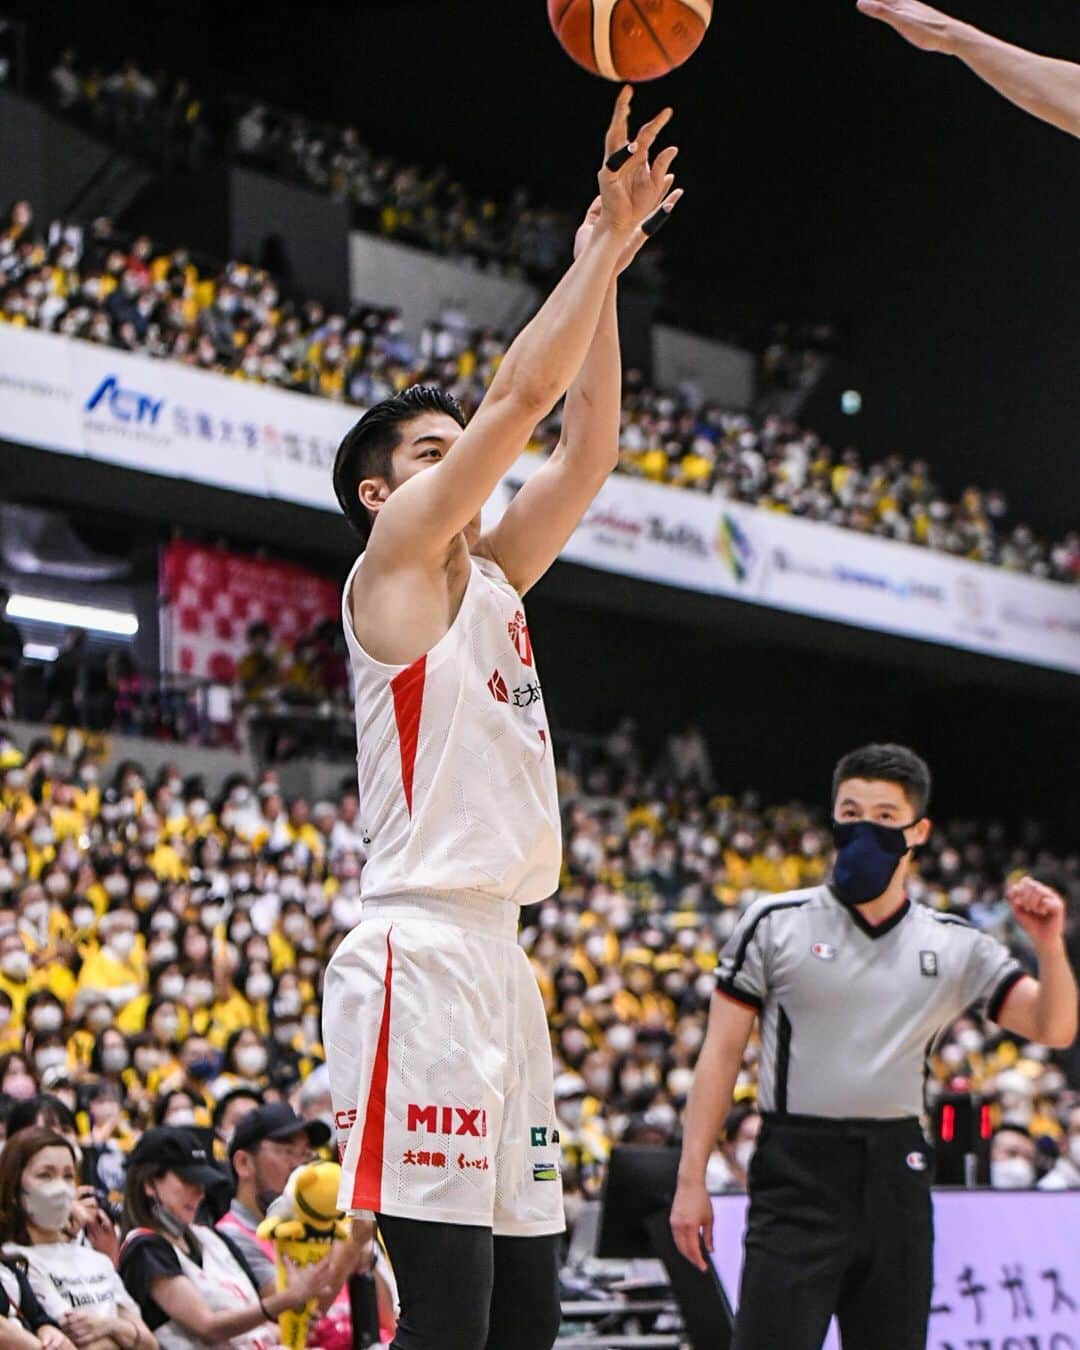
165,418
1006,1268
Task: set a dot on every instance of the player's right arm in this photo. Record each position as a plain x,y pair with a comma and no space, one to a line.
421,518
717,1068
1042,85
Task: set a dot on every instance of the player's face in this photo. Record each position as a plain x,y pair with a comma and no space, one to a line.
425,442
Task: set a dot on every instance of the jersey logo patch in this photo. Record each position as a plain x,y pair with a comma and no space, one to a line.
916,1161
519,636
497,688
928,963
824,951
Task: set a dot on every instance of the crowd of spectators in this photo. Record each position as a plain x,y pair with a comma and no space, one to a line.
675,437
231,319
429,207
153,112
159,114
234,320
163,943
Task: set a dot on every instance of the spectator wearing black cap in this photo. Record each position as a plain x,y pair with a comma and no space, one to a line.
192,1283
267,1145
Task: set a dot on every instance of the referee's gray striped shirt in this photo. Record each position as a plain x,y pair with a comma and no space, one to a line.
848,1011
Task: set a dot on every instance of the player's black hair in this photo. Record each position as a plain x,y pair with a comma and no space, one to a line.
888,764
367,448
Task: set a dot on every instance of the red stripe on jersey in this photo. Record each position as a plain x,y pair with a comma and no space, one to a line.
367,1189
408,691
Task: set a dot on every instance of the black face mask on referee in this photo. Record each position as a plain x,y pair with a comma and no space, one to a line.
867,856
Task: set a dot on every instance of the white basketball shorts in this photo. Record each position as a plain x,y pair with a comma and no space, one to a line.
440,1068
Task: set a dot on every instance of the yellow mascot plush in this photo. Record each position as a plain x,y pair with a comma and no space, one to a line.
303,1224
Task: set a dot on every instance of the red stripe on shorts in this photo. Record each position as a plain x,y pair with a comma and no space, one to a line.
367,1189
408,691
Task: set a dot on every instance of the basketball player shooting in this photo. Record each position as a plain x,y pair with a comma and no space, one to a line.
1042,85
436,1035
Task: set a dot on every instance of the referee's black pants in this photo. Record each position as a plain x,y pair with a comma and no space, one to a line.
840,1223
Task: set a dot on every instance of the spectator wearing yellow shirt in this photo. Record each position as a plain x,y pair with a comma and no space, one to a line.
257,669
199,1065
18,978
118,968
10,1036
93,1013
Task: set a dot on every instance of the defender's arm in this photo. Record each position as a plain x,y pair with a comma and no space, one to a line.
1042,85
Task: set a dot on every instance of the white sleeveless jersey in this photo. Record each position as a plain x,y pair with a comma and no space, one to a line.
454,758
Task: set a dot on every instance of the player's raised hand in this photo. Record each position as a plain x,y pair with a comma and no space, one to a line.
925,28
632,188
637,240
1039,910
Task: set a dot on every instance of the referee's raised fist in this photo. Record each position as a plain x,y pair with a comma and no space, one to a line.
1039,910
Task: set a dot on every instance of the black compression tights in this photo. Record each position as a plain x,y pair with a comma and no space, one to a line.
463,1289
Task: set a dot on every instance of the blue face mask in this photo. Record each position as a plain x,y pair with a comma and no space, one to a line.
867,856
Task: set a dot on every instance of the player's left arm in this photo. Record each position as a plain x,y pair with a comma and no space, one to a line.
548,508
1042,1010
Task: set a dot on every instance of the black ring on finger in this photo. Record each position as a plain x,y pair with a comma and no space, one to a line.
656,222
614,162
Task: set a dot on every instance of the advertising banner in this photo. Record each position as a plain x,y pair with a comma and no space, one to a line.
37,404
165,418
707,543
1006,1269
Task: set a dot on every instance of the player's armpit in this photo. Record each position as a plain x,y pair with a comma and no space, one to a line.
420,518
545,512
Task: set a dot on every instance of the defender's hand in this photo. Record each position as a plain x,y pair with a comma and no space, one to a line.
1039,910
925,28
692,1223
636,189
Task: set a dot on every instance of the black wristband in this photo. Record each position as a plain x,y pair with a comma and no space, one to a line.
614,162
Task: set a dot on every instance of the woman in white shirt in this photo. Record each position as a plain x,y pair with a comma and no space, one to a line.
77,1287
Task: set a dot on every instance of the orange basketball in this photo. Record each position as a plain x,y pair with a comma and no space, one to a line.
630,39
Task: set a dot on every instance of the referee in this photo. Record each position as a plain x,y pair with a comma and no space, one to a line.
851,984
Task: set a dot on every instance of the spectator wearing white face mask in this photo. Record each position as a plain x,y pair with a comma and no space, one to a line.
1012,1159
44,1012
1065,1173
47,1050
245,1063
77,1286
727,1169
117,970
15,973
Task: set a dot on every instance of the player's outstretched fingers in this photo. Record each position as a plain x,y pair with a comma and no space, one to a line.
618,132
646,137
661,167
660,217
